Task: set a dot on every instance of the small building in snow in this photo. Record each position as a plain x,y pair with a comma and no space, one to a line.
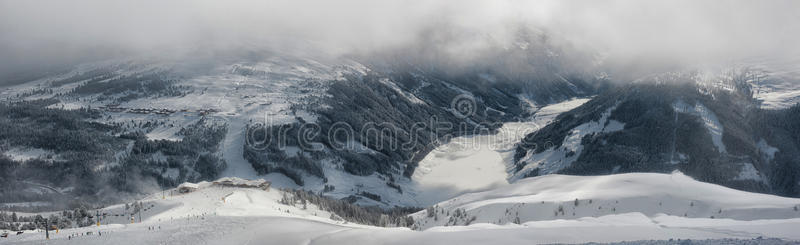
242,183
187,187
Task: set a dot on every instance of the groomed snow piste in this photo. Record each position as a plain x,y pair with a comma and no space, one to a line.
624,207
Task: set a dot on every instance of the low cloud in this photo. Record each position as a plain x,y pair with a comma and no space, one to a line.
42,33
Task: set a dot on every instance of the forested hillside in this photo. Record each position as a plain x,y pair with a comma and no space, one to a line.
713,132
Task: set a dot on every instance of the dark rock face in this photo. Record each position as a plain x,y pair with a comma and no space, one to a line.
660,135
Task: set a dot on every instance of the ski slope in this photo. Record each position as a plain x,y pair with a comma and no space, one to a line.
647,207
650,195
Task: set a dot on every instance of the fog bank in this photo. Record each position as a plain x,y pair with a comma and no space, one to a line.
41,33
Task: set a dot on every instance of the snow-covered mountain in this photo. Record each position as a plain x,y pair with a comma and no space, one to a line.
775,81
140,125
389,122
159,123
145,127
711,129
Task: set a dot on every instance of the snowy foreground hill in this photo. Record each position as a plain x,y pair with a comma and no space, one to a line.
546,209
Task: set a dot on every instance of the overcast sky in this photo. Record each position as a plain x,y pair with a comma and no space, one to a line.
36,32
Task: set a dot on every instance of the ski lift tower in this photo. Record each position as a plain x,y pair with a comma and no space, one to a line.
47,229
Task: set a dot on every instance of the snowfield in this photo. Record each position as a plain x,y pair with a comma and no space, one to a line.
477,162
624,207
554,197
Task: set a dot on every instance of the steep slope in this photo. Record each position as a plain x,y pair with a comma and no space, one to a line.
712,132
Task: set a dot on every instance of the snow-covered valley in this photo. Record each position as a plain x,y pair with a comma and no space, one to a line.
477,162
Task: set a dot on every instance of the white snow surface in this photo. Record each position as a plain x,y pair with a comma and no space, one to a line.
477,162
24,154
164,133
407,95
648,206
642,195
